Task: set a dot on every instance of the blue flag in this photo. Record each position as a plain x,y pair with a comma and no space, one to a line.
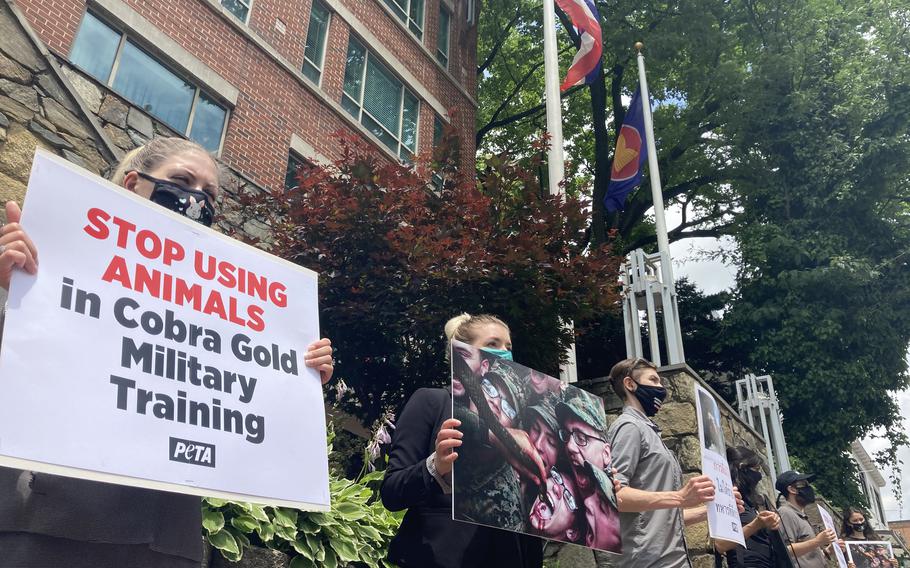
630,154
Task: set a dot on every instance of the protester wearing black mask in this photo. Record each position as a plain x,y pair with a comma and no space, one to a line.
856,527
804,544
764,547
654,503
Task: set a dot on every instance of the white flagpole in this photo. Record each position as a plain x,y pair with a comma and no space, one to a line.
668,295
555,159
568,371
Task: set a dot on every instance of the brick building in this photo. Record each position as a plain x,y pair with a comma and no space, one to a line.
264,83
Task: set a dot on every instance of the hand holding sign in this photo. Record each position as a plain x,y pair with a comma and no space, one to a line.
696,491
16,249
319,356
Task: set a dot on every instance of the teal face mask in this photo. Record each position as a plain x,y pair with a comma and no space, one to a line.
501,353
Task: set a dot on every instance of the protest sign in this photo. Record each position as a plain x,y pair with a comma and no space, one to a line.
534,457
723,516
869,553
829,524
151,351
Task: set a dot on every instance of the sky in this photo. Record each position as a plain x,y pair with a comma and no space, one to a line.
714,276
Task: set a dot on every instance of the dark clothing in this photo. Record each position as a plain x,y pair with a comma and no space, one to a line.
758,552
47,520
428,537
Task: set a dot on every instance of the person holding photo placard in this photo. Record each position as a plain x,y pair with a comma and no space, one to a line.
425,445
855,527
48,520
653,501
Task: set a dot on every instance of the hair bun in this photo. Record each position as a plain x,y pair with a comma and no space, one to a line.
453,324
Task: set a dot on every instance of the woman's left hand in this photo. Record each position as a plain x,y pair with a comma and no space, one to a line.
319,356
894,562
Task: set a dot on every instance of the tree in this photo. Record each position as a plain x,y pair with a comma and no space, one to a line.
822,293
786,127
397,257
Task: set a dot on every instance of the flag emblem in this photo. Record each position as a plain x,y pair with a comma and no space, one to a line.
630,154
628,150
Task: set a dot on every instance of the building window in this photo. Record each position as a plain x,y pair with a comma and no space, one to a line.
375,97
111,57
442,40
296,166
317,33
410,12
240,8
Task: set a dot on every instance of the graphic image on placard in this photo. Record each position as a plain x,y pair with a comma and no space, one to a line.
151,351
535,457
869,553
723,516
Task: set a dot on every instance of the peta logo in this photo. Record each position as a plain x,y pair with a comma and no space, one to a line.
195,453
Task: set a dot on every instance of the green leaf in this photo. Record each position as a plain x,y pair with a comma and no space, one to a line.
345,549
330,560
215,502
302,548
286,517
258,513
212,521
245,523
223,541
266,532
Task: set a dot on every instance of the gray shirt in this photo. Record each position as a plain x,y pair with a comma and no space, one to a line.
653,539
797,529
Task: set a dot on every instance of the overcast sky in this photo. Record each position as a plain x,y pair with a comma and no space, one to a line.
713,276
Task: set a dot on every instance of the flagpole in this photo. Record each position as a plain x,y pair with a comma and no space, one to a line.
668,296
555,158
568,371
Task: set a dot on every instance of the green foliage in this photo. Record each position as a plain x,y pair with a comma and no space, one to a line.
784,125
823,290
357,529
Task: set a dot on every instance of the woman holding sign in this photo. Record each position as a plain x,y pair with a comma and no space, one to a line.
856,527
759,526
47,520
419,475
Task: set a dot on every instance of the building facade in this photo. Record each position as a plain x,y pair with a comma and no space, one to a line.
264,84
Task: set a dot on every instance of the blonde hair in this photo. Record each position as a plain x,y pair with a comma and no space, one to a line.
149,156
462,327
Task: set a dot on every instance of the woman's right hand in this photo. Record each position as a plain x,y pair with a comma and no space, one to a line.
447,440
16,249
768,520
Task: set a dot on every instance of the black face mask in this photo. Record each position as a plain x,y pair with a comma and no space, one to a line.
858,527
190,203
749,478
806,495
650,398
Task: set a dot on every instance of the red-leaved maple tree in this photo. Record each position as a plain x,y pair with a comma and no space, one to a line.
401,249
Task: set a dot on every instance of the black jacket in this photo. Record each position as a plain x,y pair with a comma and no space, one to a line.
428,536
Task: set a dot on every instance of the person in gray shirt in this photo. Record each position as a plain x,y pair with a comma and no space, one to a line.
654,503
805,547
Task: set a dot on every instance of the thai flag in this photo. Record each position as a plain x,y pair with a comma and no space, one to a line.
586,20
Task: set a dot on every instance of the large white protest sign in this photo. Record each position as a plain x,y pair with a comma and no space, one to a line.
723,516
829,524
151,351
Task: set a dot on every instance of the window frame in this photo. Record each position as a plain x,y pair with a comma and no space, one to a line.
249,10
129,36
325,42
406,22
367,61
448,52
294,156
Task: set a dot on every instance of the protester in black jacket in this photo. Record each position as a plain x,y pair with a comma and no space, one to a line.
418,477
